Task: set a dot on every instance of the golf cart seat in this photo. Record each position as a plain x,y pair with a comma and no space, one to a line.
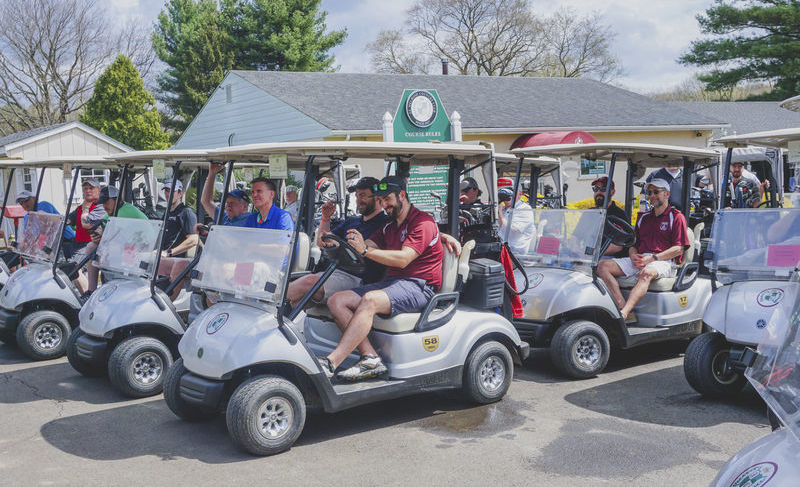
667,283
452,268
300,262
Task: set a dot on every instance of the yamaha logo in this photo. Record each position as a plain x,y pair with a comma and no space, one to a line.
770,297
535,280
421,108
106,293
218,322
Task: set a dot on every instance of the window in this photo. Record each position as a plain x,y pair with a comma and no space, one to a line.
28,178
592,169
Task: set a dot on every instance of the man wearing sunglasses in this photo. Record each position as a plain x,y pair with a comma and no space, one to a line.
599,188
411,249
661,237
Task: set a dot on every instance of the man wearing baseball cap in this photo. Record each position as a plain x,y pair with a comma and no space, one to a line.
28,202
410,248
661,238
236,203
91,191
180,234
599,188
516,225
469,188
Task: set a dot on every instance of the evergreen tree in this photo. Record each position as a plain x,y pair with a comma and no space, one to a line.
190,39
753,40
280,34
122,108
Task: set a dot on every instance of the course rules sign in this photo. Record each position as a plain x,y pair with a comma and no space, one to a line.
421,117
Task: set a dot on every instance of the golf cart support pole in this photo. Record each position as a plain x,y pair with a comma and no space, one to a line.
533,188
63,225
309,202
225,182
5,195
453,195
725,175
157,261
686,177
630,195
611,167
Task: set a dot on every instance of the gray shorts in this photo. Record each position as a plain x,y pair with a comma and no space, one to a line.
339,281
663,268
406,295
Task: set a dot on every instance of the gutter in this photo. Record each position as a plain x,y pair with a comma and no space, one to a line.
527,130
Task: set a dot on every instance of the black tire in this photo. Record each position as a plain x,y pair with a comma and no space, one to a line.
488,372
137,366
42,335
704,367
172,395
260,396
580,349
84,367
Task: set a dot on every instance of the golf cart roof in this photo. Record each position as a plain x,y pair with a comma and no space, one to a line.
169,156
770,138
647,155
60,161
792,103
341,150
542,161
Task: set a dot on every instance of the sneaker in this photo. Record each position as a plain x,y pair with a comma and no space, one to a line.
368,367
85,297
326,366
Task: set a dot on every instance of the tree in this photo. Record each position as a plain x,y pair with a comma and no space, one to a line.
756,40
496,38
190,39
122,108
51,52
279,34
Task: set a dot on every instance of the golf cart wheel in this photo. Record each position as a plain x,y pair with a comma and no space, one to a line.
580,349
84,367
137,366
705,366
42,335
488,372
172,396
266,415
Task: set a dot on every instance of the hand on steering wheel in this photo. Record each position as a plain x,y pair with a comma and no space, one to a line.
619,231
344,253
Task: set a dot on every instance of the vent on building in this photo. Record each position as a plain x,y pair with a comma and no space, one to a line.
228,94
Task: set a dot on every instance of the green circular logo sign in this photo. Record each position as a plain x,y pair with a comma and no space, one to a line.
421,108
218,322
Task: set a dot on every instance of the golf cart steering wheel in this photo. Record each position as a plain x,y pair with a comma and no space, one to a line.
619,231
344,253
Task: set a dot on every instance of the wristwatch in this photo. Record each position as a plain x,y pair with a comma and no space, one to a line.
169,252
364,253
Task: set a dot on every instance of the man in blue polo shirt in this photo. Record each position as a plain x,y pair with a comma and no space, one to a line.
236,203
267,215
28,202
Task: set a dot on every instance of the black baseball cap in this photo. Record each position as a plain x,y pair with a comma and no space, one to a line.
389,184
107,193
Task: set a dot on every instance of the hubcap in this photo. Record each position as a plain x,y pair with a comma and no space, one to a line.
493,373
147,367
275,417
722,374
47,335
587,351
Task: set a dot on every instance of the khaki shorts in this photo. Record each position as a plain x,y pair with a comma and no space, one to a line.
664,268
339,281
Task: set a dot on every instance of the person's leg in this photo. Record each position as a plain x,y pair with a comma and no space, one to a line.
178,267
356,331
165,266
92,272
608,271
299,287
342,305
638,291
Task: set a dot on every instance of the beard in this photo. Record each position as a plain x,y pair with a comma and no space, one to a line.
598,201
394,211
367,208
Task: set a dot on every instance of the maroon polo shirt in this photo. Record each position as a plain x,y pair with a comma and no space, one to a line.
656,234
420,233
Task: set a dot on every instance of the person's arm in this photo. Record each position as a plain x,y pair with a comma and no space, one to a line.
450,242
668,254
207,196
613,249
189,242
188,222
391,258
325,221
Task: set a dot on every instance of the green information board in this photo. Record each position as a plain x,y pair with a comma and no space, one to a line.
421,117
422,180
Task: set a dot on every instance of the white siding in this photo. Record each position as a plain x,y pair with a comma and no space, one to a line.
252,115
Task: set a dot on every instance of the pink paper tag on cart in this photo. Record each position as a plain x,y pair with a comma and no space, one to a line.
243,273
548,245
783,255
129,255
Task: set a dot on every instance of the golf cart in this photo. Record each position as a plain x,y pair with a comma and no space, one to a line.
10,258
565,305
39,304
254,354
750,254
129,327
774,372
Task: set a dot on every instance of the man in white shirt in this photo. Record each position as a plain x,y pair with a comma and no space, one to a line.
516,226
291,201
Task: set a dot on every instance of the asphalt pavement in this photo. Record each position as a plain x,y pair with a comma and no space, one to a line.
638,423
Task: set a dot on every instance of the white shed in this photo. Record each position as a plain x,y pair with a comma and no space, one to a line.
64,139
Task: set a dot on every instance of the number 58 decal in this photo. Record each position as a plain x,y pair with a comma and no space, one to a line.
430,343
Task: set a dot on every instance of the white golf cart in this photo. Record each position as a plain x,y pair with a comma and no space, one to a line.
566,307
774,372
750,254
253,355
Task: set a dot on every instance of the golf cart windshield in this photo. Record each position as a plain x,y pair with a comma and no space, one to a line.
776,372
39,236
128,246
750,244
245,263
569,239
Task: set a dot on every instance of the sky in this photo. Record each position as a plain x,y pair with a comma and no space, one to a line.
651,34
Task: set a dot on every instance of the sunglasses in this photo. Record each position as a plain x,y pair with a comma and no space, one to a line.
651,192
385,187
598,188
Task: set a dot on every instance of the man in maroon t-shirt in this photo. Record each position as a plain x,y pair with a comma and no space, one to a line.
661,238
410,248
